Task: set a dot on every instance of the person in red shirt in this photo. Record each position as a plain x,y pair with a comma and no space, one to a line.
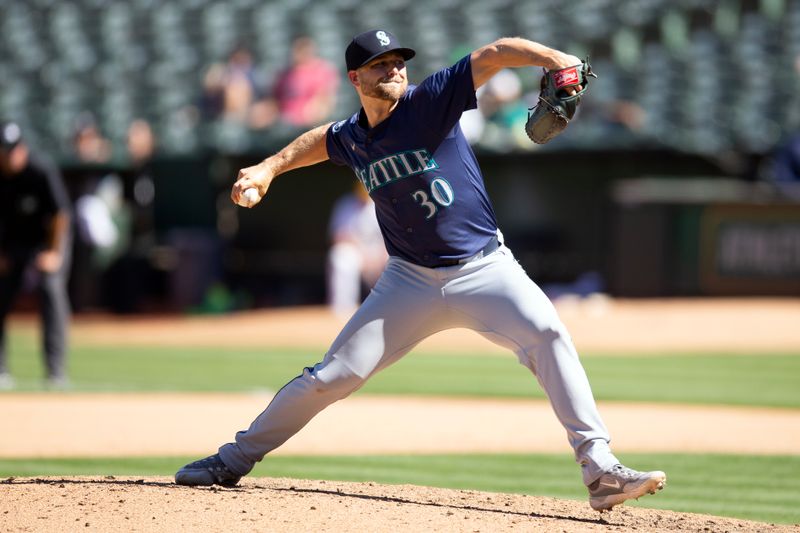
305,92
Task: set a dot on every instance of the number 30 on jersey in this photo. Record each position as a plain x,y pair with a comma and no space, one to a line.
441,195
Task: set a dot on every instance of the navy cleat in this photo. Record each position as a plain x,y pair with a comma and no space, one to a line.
207,472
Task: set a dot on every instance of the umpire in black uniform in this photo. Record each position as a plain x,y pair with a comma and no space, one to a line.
35,237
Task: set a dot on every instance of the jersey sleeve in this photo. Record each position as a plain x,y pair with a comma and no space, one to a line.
443,96
334,140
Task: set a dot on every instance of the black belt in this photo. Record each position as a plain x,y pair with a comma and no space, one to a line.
490,247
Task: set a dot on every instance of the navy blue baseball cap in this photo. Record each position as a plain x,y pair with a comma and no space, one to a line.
10,135
368,45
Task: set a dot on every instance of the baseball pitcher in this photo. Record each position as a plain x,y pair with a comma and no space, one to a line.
448,266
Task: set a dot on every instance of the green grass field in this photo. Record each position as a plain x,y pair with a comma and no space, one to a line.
757,380
752,487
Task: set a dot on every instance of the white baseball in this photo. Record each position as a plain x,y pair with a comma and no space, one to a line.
250,197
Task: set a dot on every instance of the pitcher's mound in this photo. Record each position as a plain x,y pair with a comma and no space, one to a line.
266,504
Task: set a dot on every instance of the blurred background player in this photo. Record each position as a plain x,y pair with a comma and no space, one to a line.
785,171
357,255
34,246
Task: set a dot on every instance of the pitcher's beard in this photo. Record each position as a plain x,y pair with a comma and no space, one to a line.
390,92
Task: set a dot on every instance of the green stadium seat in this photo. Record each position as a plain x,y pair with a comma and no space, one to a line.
146,57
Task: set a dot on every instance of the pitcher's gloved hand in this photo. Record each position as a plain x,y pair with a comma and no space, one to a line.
559,97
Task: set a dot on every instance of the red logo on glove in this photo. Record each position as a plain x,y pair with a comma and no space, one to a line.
567,77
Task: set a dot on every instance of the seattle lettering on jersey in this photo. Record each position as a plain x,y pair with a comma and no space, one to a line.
395,167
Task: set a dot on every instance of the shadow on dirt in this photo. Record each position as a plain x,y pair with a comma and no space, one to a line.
394,499
107,480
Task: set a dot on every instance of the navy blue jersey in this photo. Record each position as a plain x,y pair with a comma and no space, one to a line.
420,170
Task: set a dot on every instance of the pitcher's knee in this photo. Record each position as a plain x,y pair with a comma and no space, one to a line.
549,344
334,378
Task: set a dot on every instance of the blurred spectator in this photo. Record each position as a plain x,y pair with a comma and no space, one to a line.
212,98
786,164
94,229
132,213
499,122
233,92
140,142
34,246
472,124
97,239
500,101
617,122
357,254
627,115
786,167
305,92
94,213
240,84
88,142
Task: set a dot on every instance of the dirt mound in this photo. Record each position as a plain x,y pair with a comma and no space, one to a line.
265,504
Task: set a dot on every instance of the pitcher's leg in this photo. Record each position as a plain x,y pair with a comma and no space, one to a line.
401,310
291,409
404,307
507,307
560,373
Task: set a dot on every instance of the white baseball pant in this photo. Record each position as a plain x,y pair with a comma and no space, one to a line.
493,296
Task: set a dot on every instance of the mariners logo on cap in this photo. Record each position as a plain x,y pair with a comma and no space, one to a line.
383,38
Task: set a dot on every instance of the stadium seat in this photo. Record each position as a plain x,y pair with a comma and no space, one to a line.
147,57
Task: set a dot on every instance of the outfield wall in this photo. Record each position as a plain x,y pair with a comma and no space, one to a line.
638,223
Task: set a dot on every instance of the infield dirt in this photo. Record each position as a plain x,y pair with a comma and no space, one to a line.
286,505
